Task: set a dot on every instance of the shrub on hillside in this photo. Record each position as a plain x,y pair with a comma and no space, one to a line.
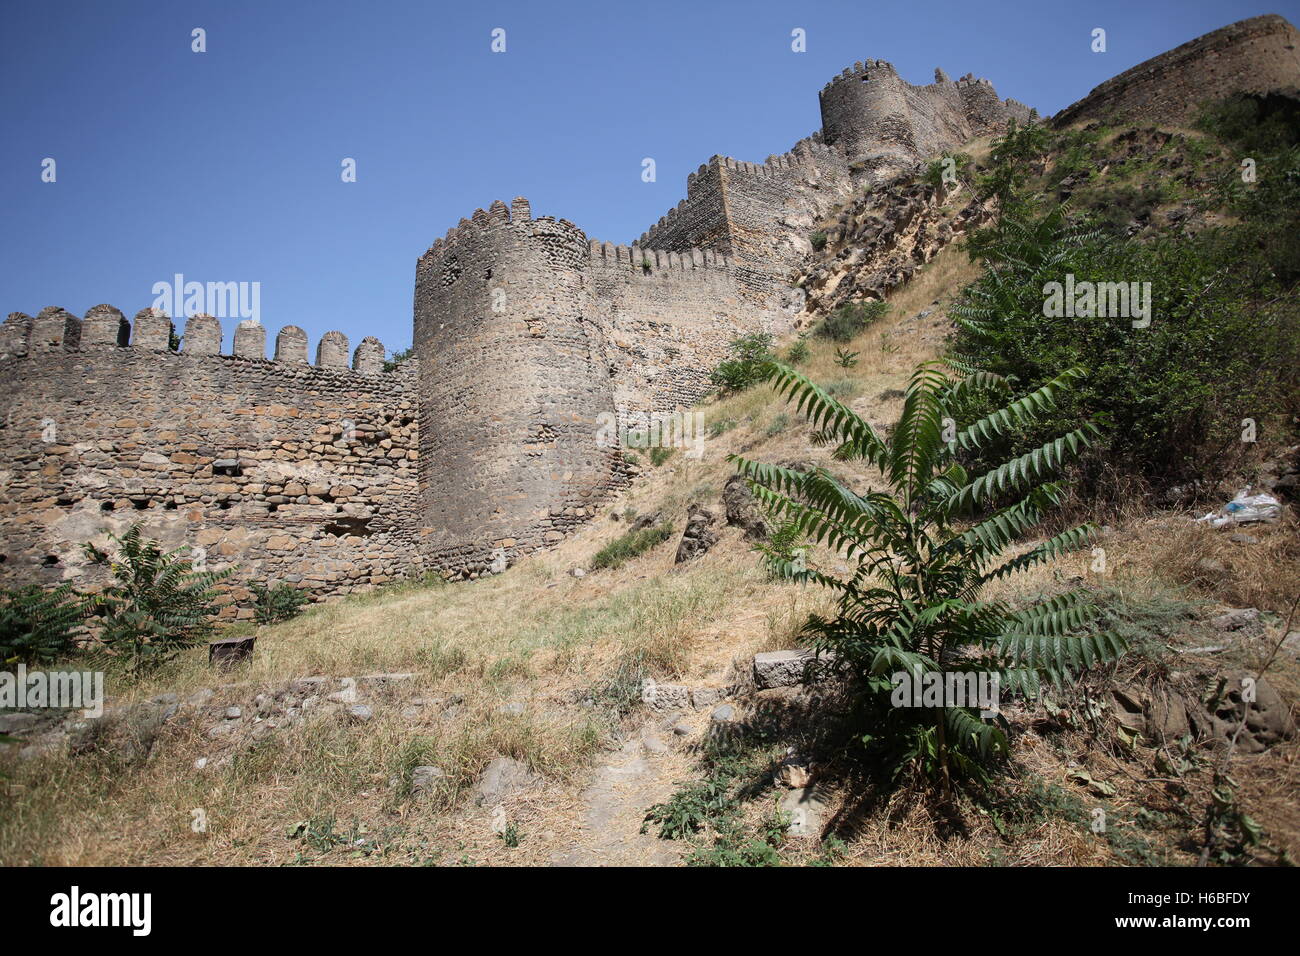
937,172
277,603
38,626
630,545
747,357
1263,133
155,603
849,320
1222,344
784,546
921,555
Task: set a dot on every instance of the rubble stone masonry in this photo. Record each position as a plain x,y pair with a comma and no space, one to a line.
292,472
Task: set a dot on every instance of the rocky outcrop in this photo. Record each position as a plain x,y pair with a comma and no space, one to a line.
1164,714
880,240
742,508
699,535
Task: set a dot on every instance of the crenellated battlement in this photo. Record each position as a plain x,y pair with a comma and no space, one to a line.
496,215
641,261
860,71
106,327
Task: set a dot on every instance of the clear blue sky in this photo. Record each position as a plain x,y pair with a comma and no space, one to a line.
225,165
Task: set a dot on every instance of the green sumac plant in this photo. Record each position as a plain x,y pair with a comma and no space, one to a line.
784,546
38,626
155,603
925,547
747,356
276,603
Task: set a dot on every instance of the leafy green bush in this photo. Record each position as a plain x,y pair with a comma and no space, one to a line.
399,356
842,388
818,240
1223,342
1075,154
628,546
784,548
748,355
797,352
850,319
1013,158
709,812
924,554
779,423
278,603
1264,130
691,808
1117,209
155,603
38,626
846,359
1256,125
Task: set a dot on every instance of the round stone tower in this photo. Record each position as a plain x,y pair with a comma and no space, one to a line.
880,122
513,387
865,112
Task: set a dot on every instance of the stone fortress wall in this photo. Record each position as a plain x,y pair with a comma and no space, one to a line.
524,341
1259,55
291,471
528,334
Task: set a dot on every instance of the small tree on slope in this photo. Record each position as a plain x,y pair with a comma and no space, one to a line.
924,549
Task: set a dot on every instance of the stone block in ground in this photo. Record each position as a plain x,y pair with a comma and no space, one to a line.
787,668
425,780
1235,619
1267,717
808,808
661,697
702,697
501,778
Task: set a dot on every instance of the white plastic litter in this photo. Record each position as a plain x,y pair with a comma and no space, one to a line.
1245,509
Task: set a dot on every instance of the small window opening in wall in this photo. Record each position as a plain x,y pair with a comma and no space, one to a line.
170,506
223,505
140,504
3,558
50,560
227,466
106,506
488,274
66,502
344,527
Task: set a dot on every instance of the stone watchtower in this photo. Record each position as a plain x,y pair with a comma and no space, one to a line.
880,122
513,379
